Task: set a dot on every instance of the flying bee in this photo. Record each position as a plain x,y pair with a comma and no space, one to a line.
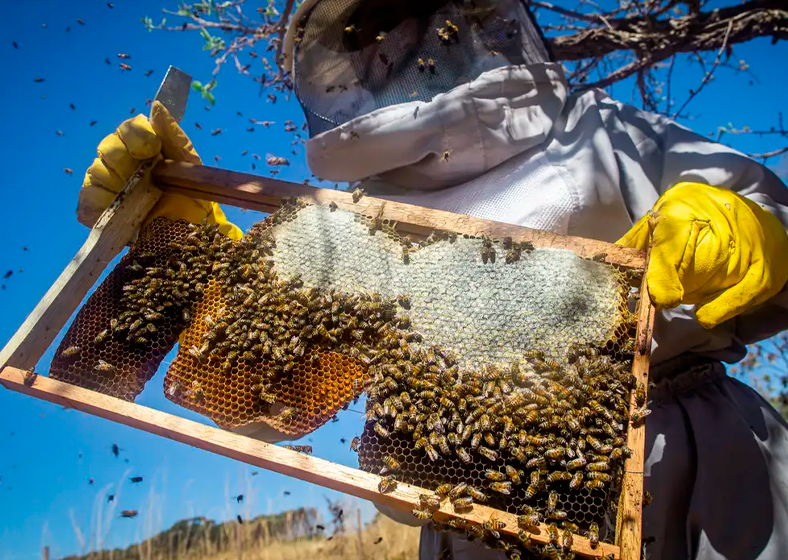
646,499
488,453
422,514
594,484
494,475
458,490
431,65
501,487
639,416
577,479
105,366
390,463
71,352
593,535
354,444
387,483
559,475
476,494
444,489
351,29
566,540
463,503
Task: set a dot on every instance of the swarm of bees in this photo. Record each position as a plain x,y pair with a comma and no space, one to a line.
542,434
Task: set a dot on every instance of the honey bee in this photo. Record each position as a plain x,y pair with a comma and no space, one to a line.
458,490
488,453
594,443
566,540
463,503
494,475
351,29
332,206
524,537
387,483
555,453
446,156
604,477
494,524
105,366
536,462
444,489
501,487
577,479
593,535
599,466
552,532
552,501
428,501
559,475
558,515
578,463
646,499
476,494
639,416
357,194
71,352
640,394
286,414
390,463
381,431
529,517
421,514
476,440
489,439
431,65
518,453
594,484
464,455
101,337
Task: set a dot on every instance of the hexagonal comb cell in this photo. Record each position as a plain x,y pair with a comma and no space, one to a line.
319,385
89,355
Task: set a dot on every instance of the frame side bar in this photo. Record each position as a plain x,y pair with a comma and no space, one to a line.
115,228
264,194
629,526
265,455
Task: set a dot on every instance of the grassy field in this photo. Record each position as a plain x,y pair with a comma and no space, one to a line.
292,535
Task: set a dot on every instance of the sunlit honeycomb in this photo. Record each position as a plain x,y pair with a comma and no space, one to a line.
133,364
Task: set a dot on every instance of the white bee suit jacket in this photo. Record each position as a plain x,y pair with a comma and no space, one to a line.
515,146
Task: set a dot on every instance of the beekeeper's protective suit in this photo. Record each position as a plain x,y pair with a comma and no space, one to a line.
457,106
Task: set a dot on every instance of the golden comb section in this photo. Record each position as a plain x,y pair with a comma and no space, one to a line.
319,385
90,355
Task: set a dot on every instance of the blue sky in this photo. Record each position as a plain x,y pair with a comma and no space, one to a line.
47,454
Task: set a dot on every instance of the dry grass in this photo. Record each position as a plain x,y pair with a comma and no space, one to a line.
291,535
400,542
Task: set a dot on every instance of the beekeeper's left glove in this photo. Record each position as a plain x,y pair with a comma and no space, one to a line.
712,248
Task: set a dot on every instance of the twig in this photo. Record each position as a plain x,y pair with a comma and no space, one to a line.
707,78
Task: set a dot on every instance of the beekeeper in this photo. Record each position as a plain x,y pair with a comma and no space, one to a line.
458,106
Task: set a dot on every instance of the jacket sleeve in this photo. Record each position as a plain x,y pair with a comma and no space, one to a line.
669,153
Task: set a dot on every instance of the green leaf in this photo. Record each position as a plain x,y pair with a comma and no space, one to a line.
205,35
196,86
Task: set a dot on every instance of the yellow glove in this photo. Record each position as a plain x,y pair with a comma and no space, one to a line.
713,248
120,154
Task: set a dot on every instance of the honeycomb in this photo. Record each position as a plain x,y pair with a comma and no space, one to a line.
130,365
321,383
485,361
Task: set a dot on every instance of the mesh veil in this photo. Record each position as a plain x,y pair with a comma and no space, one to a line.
353,57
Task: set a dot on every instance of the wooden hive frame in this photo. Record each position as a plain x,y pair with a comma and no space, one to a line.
118,226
